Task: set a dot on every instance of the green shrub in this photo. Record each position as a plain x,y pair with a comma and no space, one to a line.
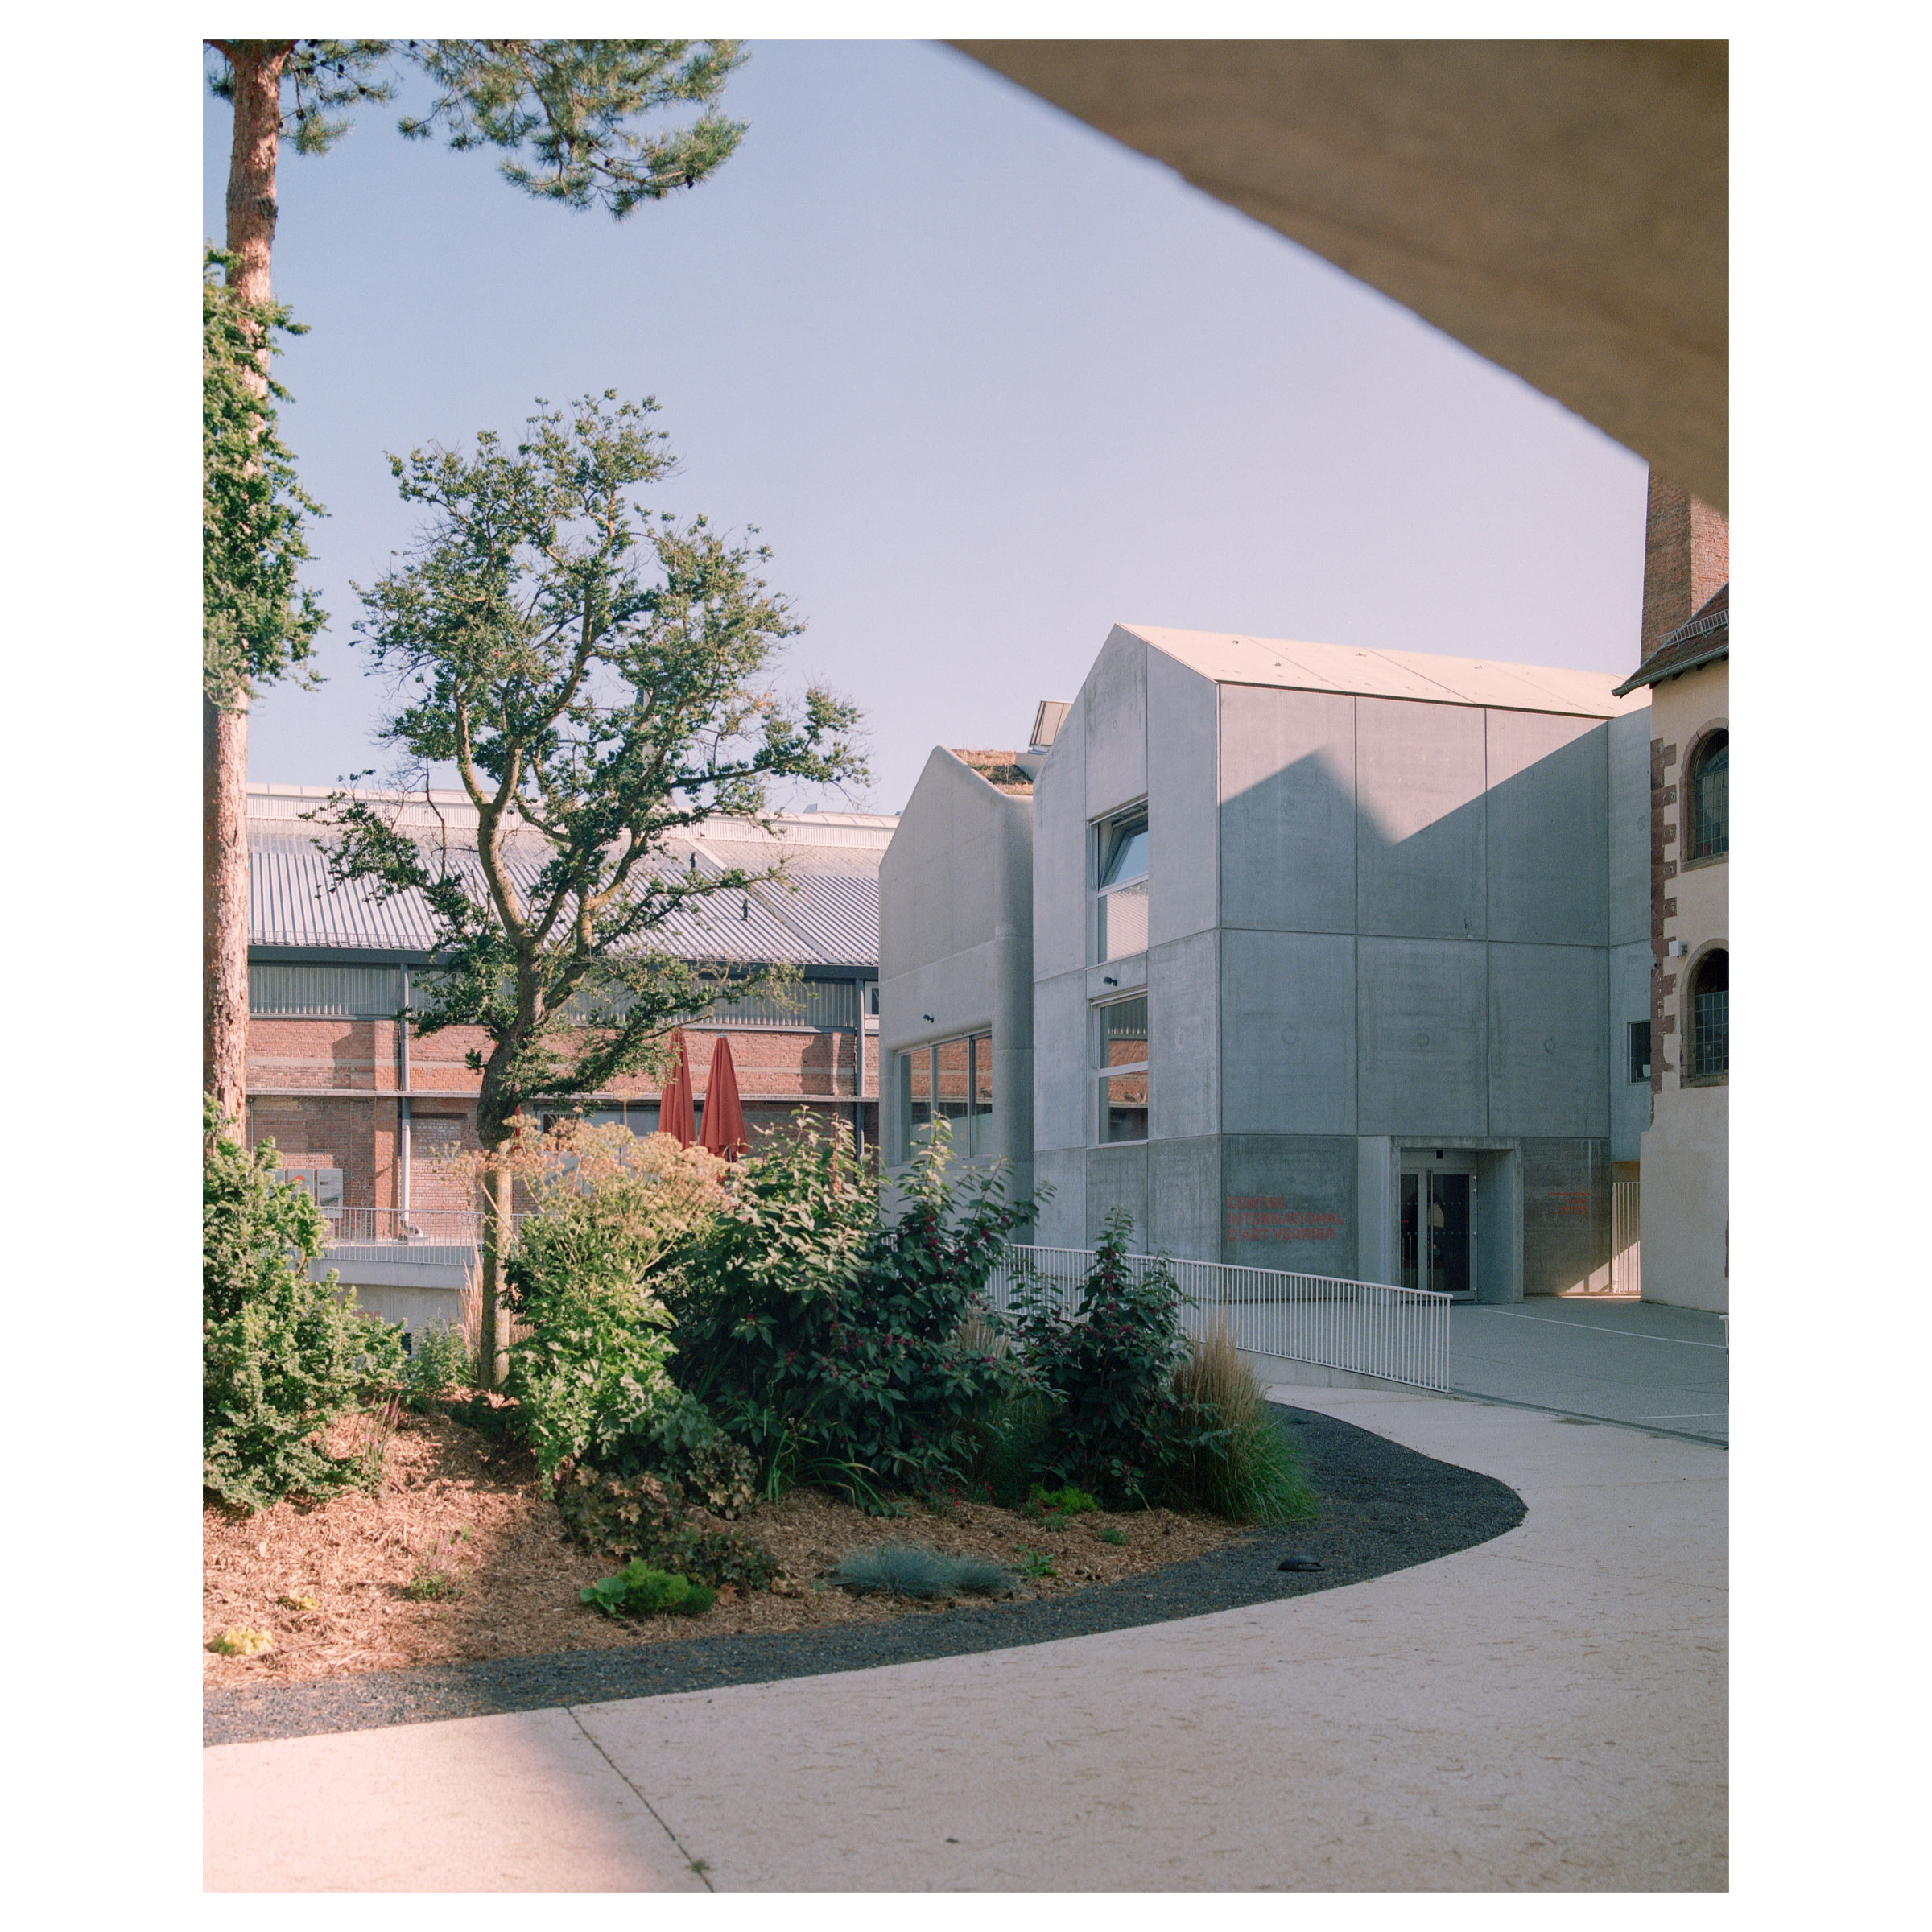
1065,1502
638,1590
836,1345
642,1516
1115,1427
1008,1436
283,1357
915,1570
1241,1465
439,1360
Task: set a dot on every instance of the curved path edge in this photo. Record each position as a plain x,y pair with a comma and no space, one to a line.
1384,1507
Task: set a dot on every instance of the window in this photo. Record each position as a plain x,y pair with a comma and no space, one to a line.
1639,1051
1710,798
1121,1036
1711,1017
1122,873
952,1082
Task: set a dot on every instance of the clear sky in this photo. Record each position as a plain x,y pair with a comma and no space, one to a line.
986,382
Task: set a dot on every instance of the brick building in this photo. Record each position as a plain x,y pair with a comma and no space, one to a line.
360,1109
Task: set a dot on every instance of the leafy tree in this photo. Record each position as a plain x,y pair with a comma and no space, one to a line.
596,677
574,120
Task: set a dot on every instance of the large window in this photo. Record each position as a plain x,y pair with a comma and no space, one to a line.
1122,874
952,1082
1710,798
1711,1017
1120,1037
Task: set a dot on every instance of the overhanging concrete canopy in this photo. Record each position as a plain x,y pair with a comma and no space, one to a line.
1561,207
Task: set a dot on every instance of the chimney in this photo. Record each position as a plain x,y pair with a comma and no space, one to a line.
1686,559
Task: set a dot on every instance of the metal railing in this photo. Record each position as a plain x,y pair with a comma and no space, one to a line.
1626,1237
430,1226
1399,1334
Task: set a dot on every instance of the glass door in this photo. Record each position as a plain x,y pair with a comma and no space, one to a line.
1437,1231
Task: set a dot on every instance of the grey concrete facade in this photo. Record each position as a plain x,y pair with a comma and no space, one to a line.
1398,919
956,944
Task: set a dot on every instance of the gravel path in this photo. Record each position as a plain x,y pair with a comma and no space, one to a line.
1383,1508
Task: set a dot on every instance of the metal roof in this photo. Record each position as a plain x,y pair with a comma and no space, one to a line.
829,916
1292,666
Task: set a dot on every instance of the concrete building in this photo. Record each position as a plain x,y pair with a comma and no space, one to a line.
1687,671
1334,956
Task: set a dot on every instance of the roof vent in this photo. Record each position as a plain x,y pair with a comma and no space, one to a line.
1046,723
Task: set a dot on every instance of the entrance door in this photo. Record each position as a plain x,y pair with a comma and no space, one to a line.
1439,1232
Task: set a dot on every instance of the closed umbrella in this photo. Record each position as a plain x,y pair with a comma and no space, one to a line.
723,1117
675,1117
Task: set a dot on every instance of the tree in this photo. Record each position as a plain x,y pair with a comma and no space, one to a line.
571,117
596,676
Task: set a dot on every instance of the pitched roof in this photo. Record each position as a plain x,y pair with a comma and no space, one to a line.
827,915
1293,665
1701,639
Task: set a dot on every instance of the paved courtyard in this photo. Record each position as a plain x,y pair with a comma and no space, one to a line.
1544,1711
1625,1361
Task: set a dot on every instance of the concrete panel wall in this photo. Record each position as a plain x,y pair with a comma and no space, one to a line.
1566,1216
1548,1071
1547,828
1630,1000
1184,1197
1289,1201
1116,692
1061,1111
1062,1220
938,878
1182,806
1499,1226
1117,1179
1059,850
1378,1205
1184,1062
1419,835
1288,1044
1423,1025
1287,789
1629,759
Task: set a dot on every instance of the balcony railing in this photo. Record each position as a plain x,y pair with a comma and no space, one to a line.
425,1227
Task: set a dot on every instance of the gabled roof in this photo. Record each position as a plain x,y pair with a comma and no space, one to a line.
1288,665
1702,639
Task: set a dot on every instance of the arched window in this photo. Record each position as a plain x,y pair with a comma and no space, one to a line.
1711,1017
1711,798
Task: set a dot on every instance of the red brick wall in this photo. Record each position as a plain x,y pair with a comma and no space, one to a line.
1686,559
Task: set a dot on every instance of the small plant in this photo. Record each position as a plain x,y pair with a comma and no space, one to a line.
1064,1502
1035,1563
912,1570
379,1425
441,1575
1240,1464
645,1516
242,1643
1112,1535
297,1603
638,1590
439,1361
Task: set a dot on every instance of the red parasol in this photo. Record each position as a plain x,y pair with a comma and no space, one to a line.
723,1117
676,1116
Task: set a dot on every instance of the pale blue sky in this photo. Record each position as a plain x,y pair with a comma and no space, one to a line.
986,381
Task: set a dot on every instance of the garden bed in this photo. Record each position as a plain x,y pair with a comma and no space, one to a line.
331,1585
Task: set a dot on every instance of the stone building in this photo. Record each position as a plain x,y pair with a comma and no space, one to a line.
1687,671
1329,962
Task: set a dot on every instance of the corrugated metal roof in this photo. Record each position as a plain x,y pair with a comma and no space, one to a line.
1293,665
831,919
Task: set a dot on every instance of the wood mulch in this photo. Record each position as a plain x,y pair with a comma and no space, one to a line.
330,1584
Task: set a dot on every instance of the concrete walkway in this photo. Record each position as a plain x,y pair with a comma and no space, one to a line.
1545,1712
1623,1361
